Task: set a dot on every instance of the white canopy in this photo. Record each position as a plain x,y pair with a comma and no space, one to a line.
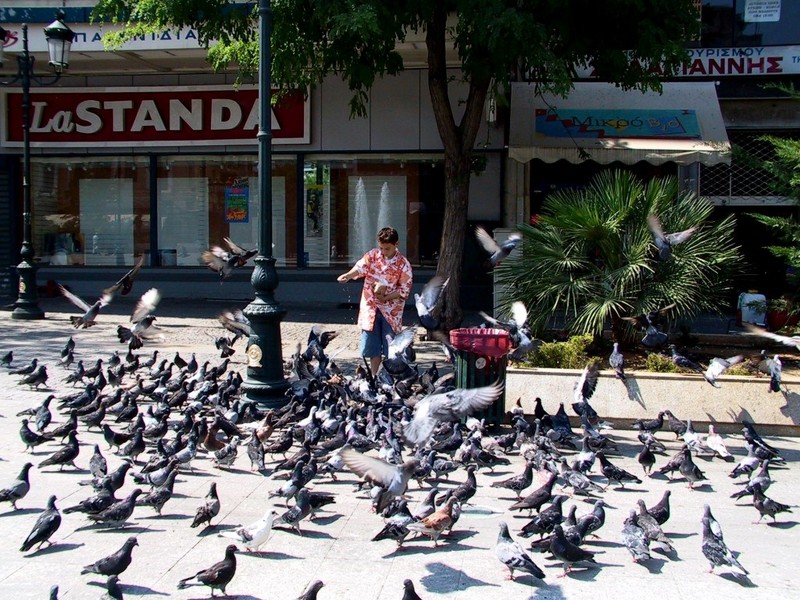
603,123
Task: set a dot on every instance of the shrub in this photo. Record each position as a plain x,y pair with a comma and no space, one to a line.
661,364
571,354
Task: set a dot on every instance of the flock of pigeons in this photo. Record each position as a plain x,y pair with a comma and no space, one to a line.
406,425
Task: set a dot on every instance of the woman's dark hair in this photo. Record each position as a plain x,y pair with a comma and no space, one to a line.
388,235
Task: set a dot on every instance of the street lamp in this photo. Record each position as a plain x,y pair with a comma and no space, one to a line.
265,382
59,39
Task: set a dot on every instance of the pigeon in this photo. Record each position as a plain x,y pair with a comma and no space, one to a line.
716,444
254,535
409,593
94,504
665,241
791,341
143,321
217,576
536,499
718,366
113,591
517,483
18,488
767,506
46,525
635,539
235,322
567,552
775,369
159,496
396,527
684,362
646,458
87,319
660,511
209,509
434,524
298,512
30,438
117,514
125,284
65,455
747,464
615,473
752,437
426,302
113,564
7,359
591,522
546,520
715,550
35,379
675,425
498,252
617,362
690,471
311,591
27,369
393,479
98,466
224,262
651,527
511,554
446,407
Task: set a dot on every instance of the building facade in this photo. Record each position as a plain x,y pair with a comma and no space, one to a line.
145,151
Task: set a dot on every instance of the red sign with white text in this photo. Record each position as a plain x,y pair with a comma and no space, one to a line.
125,117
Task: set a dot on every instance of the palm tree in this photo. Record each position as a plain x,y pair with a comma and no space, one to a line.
591,256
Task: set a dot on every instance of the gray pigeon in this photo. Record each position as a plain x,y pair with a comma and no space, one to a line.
18,488
651,528
115,563
635,539
617,362
567,552
665,241
511,554
87,319
426,302
46,525
717,552
117,514
393,479
209,509
498,252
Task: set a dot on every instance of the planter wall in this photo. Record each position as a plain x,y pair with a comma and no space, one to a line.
644,394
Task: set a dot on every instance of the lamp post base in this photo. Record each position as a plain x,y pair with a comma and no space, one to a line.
27,305
265,383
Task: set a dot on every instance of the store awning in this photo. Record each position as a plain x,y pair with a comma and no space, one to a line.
603,123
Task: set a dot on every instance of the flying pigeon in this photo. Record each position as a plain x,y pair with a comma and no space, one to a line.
498,252
446,407
665,241
87,319
718,366
223,262
125,284
143,321
426,302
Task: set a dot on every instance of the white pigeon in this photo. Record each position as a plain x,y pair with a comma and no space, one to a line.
253,536
449,406
716,444
718,366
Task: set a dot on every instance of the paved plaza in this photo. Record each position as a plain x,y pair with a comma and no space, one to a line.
335,547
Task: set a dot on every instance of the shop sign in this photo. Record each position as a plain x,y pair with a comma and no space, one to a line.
237,202
734,62
210,115
617,123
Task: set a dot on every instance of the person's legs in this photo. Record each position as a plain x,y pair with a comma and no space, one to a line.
374,344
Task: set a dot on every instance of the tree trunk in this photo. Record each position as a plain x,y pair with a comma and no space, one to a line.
458,141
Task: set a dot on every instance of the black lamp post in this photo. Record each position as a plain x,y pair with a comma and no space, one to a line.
265,382
59,39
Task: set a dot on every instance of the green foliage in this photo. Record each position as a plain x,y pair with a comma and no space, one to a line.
571,354
658,363
472,46
591,256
